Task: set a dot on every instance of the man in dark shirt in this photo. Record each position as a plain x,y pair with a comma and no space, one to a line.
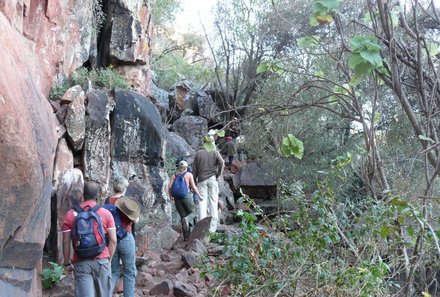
208,166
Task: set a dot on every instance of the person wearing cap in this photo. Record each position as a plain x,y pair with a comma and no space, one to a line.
229,150
129,211
185,206
208,166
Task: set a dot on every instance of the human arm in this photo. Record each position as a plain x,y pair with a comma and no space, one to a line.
193,186
66,230
66,250
173,177
195,167
220,164
111,236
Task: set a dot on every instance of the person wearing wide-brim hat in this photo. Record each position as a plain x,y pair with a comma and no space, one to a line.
129,207
129,211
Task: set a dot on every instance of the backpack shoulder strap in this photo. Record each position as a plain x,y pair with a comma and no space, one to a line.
95,208
78,208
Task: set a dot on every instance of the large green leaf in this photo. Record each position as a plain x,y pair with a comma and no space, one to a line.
330,4
354,59
373,57
308,41
432,49
263,67
292,146
363,69
313,21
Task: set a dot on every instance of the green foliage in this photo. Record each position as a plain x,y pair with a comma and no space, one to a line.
170,165
322,10
173,67
308,41
365,57
99,15
276,66
329,244
57,91
253,255
80,76
51,275
291,146
163,11
107,77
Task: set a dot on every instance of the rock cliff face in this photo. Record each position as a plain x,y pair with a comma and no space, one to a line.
42,43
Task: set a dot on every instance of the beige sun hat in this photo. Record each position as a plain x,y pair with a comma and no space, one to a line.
129,207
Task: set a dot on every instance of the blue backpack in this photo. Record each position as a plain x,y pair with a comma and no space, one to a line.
120,231
179,189
88,236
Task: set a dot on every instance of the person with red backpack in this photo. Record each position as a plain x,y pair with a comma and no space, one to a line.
86,227
180,185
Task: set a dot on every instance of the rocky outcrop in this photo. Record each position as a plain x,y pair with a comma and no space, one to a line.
43,42
192,129
254,181
97,142
27,150
137,150
75,118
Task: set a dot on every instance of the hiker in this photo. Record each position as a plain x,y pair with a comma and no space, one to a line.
183,197
208,166
120,187
229,150
128,211
91,270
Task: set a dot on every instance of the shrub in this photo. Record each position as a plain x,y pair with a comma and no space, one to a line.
52,275
253,255
80,76
107,77
327,244
57,91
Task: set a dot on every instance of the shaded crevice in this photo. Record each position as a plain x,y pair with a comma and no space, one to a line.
50,245
104,35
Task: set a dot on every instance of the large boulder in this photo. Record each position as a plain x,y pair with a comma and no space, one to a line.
130,41
177,147
75,118
59,41
27,150
63,161
97,141
161,99
137,143
69,193
254,181
207,108
192,129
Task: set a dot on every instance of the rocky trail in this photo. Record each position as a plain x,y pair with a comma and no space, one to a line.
168,272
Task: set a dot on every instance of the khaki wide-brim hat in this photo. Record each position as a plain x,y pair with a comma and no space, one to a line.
129,207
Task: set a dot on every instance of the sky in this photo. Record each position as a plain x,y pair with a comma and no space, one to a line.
193,12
